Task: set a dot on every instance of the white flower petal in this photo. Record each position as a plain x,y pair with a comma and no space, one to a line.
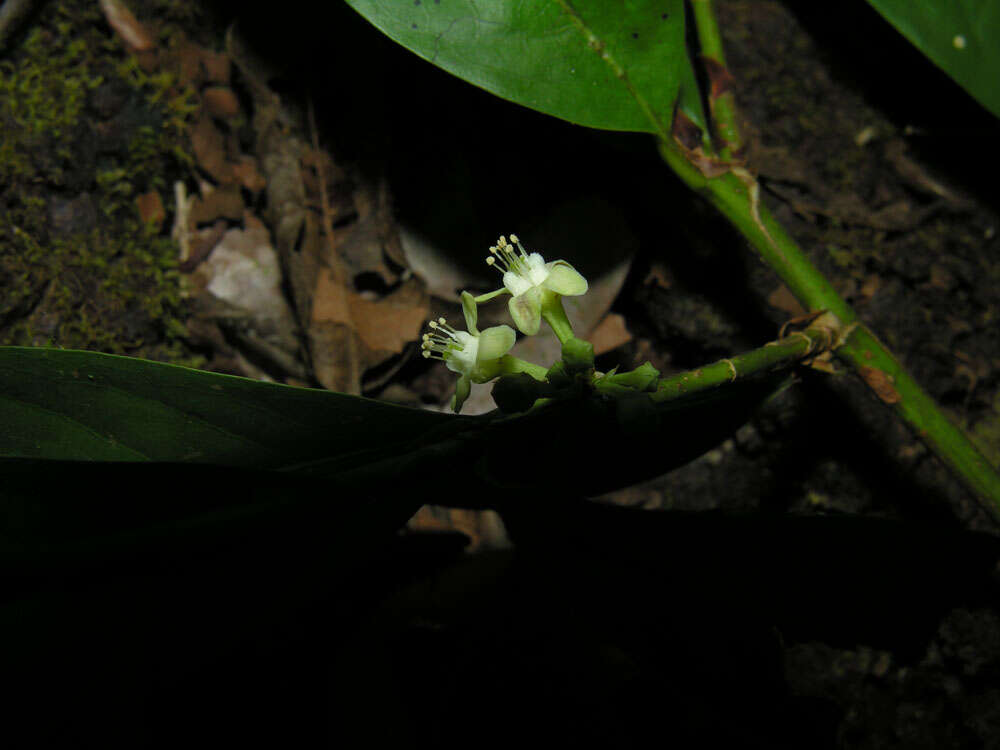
515,283
526,310
535,260
461,356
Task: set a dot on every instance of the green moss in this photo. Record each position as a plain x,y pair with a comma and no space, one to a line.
42,94
113,292
100,280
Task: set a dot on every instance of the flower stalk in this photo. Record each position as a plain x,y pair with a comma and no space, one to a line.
554,314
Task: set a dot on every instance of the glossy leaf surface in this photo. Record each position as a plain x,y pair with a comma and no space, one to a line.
72,405
104,457
960,36
78,407
615,66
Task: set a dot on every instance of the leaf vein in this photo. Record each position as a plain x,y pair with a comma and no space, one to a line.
599,47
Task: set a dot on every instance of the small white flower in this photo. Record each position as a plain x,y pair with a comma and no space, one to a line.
530,280
467,353
457,349
474,356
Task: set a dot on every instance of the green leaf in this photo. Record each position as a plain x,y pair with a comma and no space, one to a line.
109,460
73,405
103,458
598,444
960,36
615,66
70,406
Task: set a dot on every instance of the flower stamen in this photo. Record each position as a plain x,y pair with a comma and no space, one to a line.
507,258
533,284
444,339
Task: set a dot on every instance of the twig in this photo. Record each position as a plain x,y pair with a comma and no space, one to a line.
721,102
735,196
784,352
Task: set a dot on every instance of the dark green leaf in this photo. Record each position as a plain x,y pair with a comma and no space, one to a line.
603,443
104,458
616,66
71,405
961,36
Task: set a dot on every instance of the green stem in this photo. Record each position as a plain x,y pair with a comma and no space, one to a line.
895,387
736,194
777,354
555,316
510,365
721,102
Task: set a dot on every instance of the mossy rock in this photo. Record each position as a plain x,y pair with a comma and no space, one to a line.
86,131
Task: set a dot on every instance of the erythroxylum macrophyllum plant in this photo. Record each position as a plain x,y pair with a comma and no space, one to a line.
641,67
276,454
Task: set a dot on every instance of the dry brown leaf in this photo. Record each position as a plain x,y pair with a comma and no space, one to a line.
189,69
197,65
220,101
609,334
246,173
209,146
307,194
783,299
880,382
127,26
330,300
332,351
216,66
484,528
388,325
151,211
383,326
221,203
